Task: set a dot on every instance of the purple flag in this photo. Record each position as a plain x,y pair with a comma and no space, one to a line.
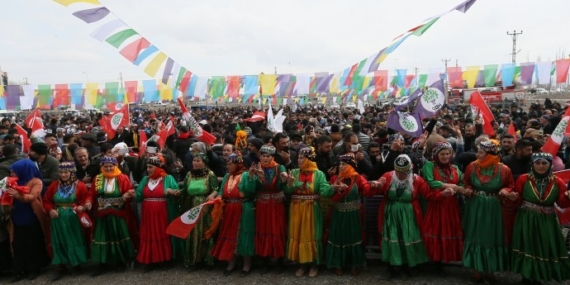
410,100
463,7
92,15
431,100
405,123
527,69
167,70
480,79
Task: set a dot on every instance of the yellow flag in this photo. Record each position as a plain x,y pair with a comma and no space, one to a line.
324,100
335,84
165,92
91,90
470,75
66,3
267,83
152,68
354,98
366,82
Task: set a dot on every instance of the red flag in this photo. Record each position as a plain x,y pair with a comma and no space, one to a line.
143,139
552,145
165,133
26,143
112,122
182,226
512,131
34,121
200,134
478,106
257,116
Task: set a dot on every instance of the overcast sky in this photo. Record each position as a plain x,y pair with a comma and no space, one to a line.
43,42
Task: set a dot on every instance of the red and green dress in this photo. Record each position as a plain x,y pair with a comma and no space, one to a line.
112,241
270,222
344,244
443,237
68,243
485,247
400,221
237,231
539,250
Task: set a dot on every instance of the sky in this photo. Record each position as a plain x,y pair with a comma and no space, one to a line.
42,43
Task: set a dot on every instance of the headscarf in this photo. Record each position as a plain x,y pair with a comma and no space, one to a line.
350,169
202,171
110,160
547,176
68,166
403,163
158,162
439,146
236,159
491,158
268,149
65,188
25,170
309,164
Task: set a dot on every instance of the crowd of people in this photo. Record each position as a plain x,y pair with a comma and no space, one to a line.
454,194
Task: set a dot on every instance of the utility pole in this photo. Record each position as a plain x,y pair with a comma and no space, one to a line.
276,70
121,79
514,36
445,61
416,76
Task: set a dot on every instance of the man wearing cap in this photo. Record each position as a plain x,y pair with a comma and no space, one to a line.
49,166
88,141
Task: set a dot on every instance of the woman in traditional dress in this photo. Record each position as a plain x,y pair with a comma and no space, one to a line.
487,182
112,242
64,199
30,229
270,230
198,184
305,228
157,192
443,237
539,250
400,217
236,236
344,245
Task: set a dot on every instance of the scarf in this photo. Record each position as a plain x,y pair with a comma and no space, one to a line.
158,173
116,172
348,173
65,189
238,170
446,168
271,164
489,160
25,170
309,166
199,173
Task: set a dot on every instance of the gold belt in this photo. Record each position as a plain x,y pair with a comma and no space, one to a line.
265,197
109,202
234,200
305,197
155,199
537,208
483,193
64,205
348,206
